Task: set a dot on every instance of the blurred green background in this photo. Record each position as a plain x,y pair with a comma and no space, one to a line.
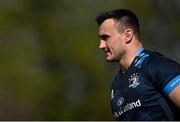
50,64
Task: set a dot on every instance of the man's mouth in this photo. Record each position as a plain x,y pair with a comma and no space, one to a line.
107,51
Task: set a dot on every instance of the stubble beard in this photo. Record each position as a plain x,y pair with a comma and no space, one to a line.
112,59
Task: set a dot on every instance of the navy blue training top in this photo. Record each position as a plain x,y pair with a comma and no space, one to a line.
141,93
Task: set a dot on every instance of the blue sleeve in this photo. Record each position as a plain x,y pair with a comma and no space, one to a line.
164,74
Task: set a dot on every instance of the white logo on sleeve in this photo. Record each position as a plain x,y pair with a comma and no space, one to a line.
112,94
134,80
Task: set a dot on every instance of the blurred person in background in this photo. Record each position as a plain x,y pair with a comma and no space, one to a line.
146,87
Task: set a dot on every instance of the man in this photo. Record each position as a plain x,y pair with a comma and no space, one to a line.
147,86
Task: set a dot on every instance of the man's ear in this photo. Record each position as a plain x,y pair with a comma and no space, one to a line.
128,35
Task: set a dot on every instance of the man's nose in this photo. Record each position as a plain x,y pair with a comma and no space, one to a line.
102,44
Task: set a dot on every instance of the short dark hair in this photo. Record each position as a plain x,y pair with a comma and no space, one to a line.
124,16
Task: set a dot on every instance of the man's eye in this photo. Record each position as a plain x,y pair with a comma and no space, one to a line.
104,37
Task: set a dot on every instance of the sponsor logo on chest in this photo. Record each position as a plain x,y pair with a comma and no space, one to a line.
128,106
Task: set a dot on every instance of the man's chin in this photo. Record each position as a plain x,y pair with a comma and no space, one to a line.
110,60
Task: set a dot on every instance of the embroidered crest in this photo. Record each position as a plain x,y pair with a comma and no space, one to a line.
134,80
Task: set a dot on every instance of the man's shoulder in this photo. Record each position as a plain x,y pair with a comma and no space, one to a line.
158,59
158,64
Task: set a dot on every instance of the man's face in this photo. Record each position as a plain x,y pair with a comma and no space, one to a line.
111,40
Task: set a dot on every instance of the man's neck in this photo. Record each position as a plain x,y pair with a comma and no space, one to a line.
129,56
